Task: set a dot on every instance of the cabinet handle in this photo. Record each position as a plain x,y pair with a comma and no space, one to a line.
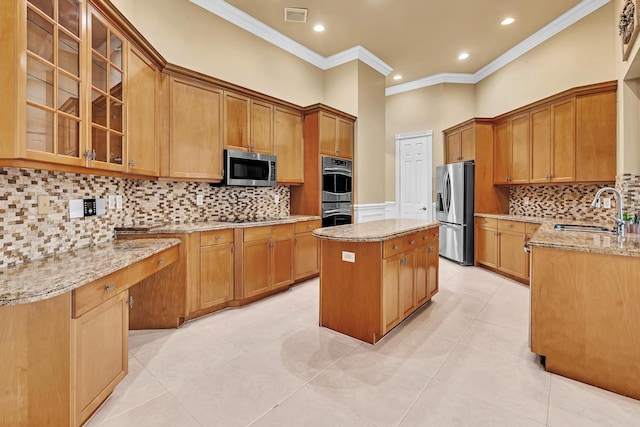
508,225
411,242
396,247
337,151
295,240
218,237
160,261
132,163
431,250
425,238
130,302
109,288
403,261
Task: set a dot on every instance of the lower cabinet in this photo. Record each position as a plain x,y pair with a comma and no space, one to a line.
500,246
306,261
267,259
100,354
216,268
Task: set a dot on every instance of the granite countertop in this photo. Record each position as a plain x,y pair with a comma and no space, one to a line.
57,274
521,218
194,227
374,231
604,243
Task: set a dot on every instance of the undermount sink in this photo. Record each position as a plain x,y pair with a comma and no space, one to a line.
584,228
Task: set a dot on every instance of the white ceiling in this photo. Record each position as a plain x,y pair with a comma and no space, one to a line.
419,39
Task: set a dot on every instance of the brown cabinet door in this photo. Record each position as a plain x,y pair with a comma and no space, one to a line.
467,143
390,292
512,258
282,261
596,137
141,115
289,146
261,134
344,140
433,268
216,274
100,353
421,276
486,246
328,134
236,121
563,156
305,256
520,137
502,153
195,132
256,265
541,145
407,284
452,146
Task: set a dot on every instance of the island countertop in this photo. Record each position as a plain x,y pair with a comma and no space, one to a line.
54,275
374,231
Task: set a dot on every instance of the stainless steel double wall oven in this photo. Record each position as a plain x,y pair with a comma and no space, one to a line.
337,179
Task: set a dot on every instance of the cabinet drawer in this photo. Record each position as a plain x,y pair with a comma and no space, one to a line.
531,228
95,293
393,246
307,226
487,222
428,235
215,237
257,233
145,268
511,226
282,230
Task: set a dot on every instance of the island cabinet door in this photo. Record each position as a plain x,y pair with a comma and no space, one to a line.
390,292
407,282
421,277
432,268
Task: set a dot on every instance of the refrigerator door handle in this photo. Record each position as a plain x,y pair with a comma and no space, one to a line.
444,224
447,192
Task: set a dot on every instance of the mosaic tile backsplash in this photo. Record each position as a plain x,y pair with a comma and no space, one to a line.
573,202
25,235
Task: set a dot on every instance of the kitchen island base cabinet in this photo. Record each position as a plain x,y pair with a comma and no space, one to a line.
367,288
585,317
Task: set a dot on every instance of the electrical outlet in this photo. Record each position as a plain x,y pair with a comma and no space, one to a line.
44,203
526,201
112,202
276,198
118,201
199,200
606,202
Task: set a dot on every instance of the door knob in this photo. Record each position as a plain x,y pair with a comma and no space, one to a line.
424,208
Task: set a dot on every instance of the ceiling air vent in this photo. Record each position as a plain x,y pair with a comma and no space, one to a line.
295,14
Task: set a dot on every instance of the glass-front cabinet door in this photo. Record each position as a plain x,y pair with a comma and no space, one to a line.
106,136
54,83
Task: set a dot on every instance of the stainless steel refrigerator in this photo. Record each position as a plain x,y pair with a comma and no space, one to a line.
454,209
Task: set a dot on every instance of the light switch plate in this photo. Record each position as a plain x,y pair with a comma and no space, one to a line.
606,202
44,202
119,201
76,208
199,200
276,198
101,207
348,256
112,202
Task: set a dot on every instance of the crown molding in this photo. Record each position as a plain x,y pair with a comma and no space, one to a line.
360,53
559,24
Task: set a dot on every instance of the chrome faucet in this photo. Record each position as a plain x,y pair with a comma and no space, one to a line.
619,221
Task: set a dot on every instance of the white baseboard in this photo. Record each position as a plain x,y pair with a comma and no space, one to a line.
368,212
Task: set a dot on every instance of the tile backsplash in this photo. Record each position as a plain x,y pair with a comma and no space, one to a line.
25,235
573,202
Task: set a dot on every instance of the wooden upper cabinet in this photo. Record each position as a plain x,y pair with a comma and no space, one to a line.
195,148
511,150
460,143
596,137
289,146
141,115
553,143
236,121
336,136
262,125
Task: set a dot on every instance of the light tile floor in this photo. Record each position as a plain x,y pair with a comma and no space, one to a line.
462,360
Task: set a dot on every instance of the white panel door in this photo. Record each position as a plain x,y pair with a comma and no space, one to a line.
414,185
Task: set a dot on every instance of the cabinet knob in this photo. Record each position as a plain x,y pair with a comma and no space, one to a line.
130,302
109,288
132,163
337,151
160,261
411,242
396,247
218,237
431,250
403,261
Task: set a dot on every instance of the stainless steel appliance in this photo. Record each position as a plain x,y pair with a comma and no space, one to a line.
337,178
454,209
249,169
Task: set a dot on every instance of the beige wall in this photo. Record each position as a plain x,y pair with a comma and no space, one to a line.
341,87
581,54
187,35
370,137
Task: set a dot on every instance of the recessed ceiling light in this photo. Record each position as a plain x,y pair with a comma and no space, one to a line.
508,21
463,55
397,77
319,28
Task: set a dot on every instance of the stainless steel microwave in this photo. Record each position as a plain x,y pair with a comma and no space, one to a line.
249,169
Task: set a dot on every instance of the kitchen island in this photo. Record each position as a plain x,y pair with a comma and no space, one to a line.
375,274
585,299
